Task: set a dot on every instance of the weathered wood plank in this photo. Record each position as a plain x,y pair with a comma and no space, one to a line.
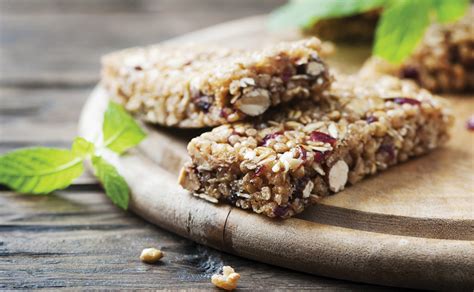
212,7
43,116
78,239
41,44
49,59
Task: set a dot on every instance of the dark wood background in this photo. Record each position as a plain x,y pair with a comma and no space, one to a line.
49,62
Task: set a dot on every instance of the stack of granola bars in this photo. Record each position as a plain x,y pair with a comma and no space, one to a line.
288,133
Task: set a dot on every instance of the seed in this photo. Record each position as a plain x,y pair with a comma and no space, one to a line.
151,255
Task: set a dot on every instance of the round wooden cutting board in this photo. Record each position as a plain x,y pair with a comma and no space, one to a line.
410,226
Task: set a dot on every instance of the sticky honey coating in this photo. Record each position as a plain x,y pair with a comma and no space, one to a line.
194,86
295,155
442,62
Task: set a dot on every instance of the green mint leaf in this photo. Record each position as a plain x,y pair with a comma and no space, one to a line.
121,132
401,28
303,13
450,10
114,184
39,170
82,148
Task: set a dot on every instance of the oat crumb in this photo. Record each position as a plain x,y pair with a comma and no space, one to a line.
228,280
151,255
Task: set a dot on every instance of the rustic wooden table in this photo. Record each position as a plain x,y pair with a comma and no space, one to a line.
49,63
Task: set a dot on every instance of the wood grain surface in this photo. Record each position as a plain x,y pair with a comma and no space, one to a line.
75,238
411,226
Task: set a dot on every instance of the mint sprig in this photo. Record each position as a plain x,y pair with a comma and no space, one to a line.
304,13
400,28
115,186
404,22
41,170
120,130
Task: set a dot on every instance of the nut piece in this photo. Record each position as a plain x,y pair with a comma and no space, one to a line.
188,179
228,280
308,189
151,255
314,68
254,103
338,176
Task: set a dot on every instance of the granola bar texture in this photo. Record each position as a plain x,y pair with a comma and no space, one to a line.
359,28
194,86
291,158
442,62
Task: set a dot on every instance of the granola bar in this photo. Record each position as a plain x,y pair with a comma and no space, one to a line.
194,86
358,28
290,158
444,60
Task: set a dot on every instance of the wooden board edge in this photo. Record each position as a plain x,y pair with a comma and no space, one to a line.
294,243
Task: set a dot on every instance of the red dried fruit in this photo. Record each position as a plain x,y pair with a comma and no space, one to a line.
299,186
303,153
236,133
389,150
286,74
280,211
319,156
204,102
403,100
232,199
317,136
260,170
270,136
470,123
301,69
371,119
410,73
224,114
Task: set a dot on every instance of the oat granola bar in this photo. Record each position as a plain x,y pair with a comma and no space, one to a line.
442,62
290,158
358,28
198,86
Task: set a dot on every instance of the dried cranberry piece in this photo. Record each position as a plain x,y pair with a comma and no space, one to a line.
319,156
403,100
270,136
317,136
232,199
454,56
204,102
236,133
389,150
410,73
470,123
286,74
301,69
224,113
371,119
281,211
299,186
260,170
303,153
